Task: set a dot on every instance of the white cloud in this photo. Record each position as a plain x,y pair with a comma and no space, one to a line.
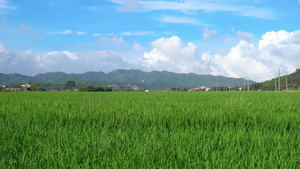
172,19
275,50
208,33
137,47
114,39
29,64
105,60
4,5
65,32
191,6
2,48
172,54
280,38
243,35
138,33
59,61
241,61
80,33
11,62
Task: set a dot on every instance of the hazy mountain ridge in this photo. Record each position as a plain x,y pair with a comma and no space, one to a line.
155,80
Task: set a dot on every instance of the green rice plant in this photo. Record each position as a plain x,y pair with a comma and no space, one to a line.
149,130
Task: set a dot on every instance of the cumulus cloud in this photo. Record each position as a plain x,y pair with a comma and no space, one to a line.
114,39
275,50
208,33
11,62
61,61
2,48
28,63
172,54
243,35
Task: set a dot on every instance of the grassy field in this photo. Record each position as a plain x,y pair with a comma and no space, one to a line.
149,130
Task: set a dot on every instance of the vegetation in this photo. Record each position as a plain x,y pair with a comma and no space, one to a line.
149,130
90,88
70,84
293,81
129,79
36,87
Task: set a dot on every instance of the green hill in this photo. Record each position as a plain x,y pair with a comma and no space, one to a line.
154,80
293,81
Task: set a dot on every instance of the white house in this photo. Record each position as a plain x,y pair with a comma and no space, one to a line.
25,87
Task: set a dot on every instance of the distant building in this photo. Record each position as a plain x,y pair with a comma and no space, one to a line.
202,88
26,87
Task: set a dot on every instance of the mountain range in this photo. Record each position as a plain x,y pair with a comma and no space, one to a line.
130,79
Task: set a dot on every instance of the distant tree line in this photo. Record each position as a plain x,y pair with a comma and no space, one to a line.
91,88
36,87
293,81
179,89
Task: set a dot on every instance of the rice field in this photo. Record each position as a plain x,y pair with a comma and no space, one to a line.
149,130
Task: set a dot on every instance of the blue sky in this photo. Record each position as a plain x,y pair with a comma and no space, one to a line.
236,38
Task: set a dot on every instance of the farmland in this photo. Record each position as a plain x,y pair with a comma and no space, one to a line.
149,130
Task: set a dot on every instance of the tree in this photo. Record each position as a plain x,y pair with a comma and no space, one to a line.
70,84
122,88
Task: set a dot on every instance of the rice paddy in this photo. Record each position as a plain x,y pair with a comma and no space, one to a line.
149,130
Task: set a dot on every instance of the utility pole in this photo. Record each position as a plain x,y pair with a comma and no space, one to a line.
286,86
275,83
229,85
226,86
279,81
216,87
244,84
248,85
